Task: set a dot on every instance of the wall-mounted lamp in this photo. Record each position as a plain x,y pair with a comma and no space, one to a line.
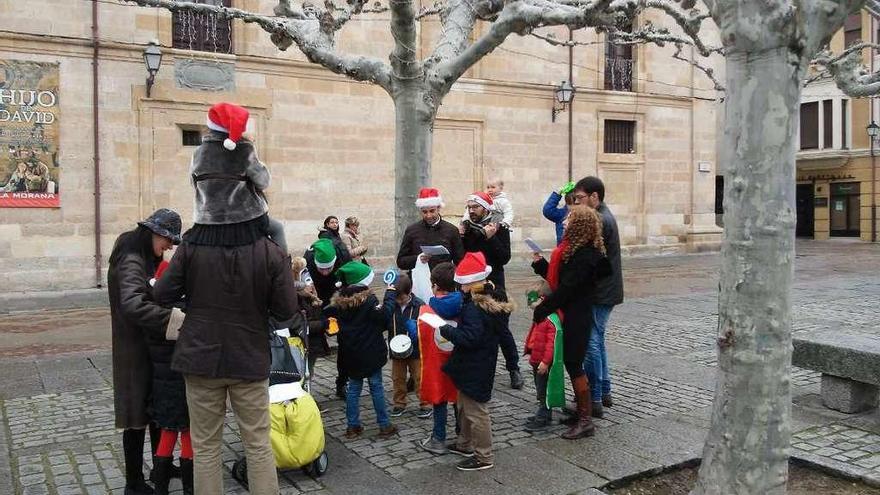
564,95
153,60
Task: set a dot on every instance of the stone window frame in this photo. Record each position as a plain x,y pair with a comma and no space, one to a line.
638,155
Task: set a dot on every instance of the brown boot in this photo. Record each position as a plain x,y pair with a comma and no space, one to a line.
584,426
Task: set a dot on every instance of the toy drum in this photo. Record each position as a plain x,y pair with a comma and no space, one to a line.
443,344
401,347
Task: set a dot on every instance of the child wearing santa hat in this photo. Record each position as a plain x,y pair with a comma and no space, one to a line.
229,179
484,315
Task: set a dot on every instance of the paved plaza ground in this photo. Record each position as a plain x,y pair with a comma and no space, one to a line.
57,435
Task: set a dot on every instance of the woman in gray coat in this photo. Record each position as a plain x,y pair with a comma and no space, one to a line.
134,314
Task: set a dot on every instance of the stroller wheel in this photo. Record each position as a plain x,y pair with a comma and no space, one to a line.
239,472
319,465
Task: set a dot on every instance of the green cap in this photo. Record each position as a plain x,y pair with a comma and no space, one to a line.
355,273
325,253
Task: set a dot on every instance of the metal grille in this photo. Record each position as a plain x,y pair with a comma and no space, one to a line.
620,136
202,32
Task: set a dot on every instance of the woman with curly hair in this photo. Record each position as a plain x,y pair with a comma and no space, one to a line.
575,266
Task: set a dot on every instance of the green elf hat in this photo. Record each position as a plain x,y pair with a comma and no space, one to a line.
354,273
325,254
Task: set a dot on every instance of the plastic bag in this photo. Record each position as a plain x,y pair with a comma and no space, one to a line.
283,368
421,281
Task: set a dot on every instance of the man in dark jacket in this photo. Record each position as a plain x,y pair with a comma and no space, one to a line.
223,345
431,230
483,232
233,278
590,191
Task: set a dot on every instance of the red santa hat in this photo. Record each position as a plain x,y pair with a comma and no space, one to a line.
482,199
472,268
230,119
429,198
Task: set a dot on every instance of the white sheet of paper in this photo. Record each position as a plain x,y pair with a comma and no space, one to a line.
432,319
533,245
434,250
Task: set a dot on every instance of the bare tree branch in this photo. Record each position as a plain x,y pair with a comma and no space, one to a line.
435,9
457,19
404,60
285,9
708,71
309,34
690,22
848,71
516,17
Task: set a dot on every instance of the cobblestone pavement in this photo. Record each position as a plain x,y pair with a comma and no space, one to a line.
57,432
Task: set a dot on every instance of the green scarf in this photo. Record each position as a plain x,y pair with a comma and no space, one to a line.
556,375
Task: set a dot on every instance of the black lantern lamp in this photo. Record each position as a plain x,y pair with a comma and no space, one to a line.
153,60
564,95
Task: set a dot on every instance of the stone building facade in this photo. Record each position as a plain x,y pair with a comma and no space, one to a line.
329,141
836,166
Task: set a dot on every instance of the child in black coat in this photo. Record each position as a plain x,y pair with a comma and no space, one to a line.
362,351
485,316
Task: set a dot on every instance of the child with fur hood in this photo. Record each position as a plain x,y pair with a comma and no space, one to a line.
362,350
485,314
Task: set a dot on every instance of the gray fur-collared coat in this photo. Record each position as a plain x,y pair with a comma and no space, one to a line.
229,184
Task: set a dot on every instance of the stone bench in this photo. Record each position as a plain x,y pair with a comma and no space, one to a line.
850,367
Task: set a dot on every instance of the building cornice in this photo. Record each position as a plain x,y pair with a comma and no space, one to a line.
46,45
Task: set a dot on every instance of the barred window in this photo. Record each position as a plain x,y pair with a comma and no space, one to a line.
620,136
202,32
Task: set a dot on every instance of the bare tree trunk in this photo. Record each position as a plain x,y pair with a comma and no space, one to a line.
414,134
746,451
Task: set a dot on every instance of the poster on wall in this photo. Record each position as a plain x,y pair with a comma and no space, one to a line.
29,170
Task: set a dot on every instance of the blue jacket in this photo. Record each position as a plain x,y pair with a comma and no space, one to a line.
556,214
396,320
471,367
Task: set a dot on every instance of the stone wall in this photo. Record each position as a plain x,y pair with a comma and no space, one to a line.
329,141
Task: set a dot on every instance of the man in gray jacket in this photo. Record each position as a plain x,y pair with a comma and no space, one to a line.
590,191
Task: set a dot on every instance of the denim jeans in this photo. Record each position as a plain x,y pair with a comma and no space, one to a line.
596,362
353,400
439,432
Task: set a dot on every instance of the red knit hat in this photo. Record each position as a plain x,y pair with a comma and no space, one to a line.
429,198
230,119
482,199
472,268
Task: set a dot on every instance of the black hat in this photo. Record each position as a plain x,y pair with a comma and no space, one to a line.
164,222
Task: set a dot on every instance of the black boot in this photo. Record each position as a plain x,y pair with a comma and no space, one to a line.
540,421
155,436
133,451
186,475
161,474
516,380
